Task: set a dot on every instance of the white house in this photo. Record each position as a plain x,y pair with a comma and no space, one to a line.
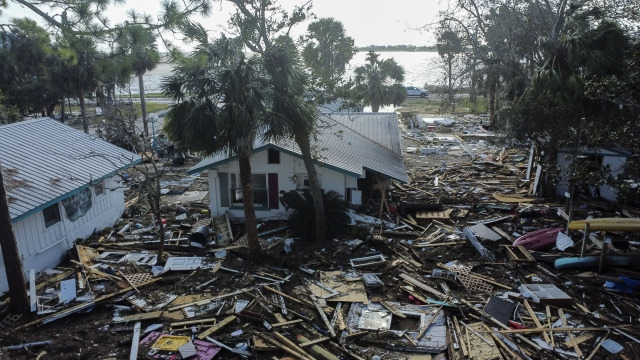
61,185
350,147
598,158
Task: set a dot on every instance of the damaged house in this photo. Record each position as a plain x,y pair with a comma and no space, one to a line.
61,185
355,152
597,159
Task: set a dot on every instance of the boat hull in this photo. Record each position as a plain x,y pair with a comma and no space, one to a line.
543,239
607,224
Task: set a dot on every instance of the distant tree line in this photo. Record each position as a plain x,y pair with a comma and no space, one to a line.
380,48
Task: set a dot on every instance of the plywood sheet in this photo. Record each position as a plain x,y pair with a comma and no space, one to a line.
349,291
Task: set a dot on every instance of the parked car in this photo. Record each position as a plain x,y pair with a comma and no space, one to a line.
414,91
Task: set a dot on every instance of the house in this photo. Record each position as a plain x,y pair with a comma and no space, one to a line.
61,185
352,149
597,159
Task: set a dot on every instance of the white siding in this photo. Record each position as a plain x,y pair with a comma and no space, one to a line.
289,165
616,164
42,248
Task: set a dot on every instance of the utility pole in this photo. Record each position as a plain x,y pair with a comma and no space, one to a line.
11,257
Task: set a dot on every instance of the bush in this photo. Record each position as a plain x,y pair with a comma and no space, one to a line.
302,220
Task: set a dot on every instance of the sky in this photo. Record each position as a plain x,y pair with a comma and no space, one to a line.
368,22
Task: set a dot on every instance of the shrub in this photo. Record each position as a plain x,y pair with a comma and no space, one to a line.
302,220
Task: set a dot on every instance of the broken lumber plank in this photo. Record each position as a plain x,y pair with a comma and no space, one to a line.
207,301
133,354
184,324
299,301
536,321
285,323
423,286
54,279
393,309
579,340
226,321
548,311
414,294
571,338
463,345
140,317
284,347
559,329
98,272
291,344
306,342
426,327
449,243
323,316
315,349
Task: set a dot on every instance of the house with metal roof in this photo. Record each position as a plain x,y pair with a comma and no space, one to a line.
61,185
353,151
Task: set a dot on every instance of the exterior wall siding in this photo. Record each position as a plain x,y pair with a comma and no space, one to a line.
42,248
286,169
614,161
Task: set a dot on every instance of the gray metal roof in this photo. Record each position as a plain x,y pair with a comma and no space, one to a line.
381,128
45,161
340,148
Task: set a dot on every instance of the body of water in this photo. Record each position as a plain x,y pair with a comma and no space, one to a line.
421,68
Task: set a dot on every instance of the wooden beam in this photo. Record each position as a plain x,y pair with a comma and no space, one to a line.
216,327
536,321
571,339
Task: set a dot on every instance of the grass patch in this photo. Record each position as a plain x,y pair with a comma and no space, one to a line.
152,107
435,106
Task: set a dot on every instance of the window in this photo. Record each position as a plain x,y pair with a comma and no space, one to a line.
302,181
51,215
260,190
273,156
99,188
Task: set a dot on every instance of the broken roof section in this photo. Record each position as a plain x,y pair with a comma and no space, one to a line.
48,161
350,143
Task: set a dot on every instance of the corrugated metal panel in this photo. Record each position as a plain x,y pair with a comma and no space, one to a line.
381,128
45,161
343,148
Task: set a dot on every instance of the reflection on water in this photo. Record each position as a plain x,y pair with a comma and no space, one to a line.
421,67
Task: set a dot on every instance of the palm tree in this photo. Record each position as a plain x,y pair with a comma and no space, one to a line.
140,44
220,109
287,80
378,83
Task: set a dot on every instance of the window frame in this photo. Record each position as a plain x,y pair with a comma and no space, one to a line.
273,156
235,189
99,189
47,213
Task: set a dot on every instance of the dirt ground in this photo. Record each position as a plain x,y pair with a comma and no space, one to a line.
418,254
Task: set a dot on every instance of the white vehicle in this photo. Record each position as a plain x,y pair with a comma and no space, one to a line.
414,91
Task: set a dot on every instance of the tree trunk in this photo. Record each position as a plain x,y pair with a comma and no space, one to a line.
83,111
153,197
492,102
250,221
450,84
375,107
143,106
11,257
316,193
63,117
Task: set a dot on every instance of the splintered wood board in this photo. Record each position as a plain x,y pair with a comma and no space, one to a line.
349,291
480,350
430,215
